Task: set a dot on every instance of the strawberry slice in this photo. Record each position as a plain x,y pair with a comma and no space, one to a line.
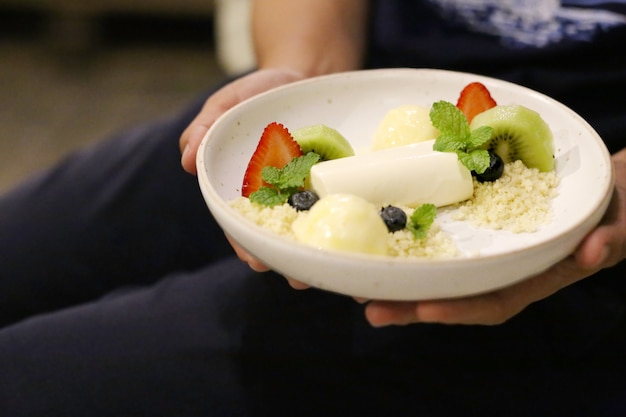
276,148
474,98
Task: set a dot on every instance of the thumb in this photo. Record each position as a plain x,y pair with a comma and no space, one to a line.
194,133
225,98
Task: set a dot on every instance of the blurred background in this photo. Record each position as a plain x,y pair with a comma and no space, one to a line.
73,71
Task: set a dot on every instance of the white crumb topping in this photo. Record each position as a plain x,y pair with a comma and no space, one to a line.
519,201
278,219
436,245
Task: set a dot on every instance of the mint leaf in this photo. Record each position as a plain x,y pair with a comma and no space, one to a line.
449,119
478,137
449,142
295,172
421,220
476,160
271,175
268,196
283,182
456,136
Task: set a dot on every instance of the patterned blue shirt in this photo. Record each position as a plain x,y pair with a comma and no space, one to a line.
572,50
534,23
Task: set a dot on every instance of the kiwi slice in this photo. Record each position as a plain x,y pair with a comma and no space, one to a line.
324,141
518,133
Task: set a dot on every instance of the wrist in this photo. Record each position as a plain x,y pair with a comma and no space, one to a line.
312,65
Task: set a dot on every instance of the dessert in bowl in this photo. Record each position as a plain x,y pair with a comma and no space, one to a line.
355,103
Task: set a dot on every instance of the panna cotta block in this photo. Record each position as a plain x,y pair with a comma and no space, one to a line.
409,175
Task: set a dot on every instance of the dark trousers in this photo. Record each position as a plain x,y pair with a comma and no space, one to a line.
119,296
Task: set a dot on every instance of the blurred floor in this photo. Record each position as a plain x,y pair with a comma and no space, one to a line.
53,100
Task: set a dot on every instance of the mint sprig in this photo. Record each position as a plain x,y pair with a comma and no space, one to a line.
421,220
456,136
283,182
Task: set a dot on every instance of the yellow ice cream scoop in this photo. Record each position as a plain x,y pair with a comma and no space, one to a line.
404,125
343,222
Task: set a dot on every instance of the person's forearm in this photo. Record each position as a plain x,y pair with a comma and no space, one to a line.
311,36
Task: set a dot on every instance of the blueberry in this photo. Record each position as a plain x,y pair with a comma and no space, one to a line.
494,171
394,218
303,200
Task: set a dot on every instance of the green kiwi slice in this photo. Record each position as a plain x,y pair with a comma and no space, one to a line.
518,133
324,141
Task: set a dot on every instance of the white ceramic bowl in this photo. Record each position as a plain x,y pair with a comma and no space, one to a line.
354,103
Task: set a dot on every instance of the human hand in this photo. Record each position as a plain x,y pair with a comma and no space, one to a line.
228,96
258,266
603,247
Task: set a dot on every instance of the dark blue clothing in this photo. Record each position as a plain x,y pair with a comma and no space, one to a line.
581,64
119,296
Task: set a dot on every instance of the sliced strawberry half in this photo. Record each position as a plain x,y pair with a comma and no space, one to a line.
276,148
475,98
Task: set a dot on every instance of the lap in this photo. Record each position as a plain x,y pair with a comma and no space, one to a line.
188,345
122,211
226,341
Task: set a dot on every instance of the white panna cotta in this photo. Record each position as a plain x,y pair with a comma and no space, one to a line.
409,175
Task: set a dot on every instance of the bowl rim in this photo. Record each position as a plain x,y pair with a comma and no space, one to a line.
220,208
